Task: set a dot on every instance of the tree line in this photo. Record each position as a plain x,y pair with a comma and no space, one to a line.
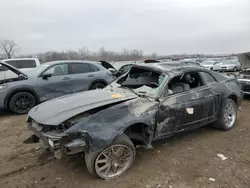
10,49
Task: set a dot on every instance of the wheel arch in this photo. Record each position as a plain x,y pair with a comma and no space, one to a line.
97,81
234,97
26,89
138,133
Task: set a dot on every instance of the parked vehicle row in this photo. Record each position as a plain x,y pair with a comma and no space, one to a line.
222,65
23,91
149,102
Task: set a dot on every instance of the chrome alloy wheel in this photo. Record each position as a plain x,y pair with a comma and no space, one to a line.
113,161
230,114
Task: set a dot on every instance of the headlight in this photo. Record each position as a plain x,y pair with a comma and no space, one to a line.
3,86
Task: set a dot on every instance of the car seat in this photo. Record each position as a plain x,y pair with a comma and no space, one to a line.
58,71
182,86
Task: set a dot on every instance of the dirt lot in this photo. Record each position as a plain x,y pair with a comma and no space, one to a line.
184,161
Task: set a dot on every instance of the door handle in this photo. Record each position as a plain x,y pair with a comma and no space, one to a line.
66,78
90,75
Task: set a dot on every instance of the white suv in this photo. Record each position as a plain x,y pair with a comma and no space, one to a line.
24,64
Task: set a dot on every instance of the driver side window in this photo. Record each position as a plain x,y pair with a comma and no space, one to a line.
57,70
182,83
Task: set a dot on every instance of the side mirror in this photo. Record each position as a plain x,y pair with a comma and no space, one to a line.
46,76
113,71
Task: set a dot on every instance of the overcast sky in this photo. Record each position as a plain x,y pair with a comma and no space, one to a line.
162,26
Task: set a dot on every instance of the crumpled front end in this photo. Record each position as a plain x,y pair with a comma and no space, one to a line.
56,140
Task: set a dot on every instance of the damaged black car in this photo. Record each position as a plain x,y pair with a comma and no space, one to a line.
150,102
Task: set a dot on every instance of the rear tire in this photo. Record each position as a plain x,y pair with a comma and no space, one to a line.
98,85
235,69
22,102
227,116
92,159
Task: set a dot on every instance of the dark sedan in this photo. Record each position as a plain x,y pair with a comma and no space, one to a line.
150,102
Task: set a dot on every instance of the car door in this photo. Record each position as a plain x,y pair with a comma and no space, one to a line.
54,82
82,76
185,110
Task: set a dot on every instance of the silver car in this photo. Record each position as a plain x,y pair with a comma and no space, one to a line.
211,64
21,92
230,65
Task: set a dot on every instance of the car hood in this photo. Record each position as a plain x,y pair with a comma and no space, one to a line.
58,110
13,69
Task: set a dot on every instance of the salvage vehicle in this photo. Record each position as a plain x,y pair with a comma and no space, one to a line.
244,79
211,65
244,75
123,69
23,91
23,64
149,102
230,65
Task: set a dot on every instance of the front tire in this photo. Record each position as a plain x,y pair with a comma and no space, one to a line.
227,116
22,102
98,85
112,161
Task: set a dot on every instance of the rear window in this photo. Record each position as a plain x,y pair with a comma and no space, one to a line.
78,68
22,64
208,78
93,68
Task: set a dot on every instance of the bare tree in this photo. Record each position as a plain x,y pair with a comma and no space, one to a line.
8,48
84,52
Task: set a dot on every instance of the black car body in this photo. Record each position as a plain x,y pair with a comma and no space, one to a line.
150,102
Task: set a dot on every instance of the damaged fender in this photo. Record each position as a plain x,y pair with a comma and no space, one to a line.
102,128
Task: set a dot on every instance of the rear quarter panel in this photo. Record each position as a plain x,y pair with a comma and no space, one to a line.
227,86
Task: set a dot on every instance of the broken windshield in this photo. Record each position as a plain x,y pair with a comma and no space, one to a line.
141,81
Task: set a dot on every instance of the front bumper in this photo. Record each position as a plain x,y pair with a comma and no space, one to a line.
245,86
58,143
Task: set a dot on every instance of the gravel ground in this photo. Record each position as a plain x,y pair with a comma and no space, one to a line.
189,160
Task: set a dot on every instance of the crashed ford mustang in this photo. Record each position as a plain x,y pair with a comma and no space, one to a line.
150,102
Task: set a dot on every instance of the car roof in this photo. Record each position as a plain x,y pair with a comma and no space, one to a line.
72,61
18,59
170,68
